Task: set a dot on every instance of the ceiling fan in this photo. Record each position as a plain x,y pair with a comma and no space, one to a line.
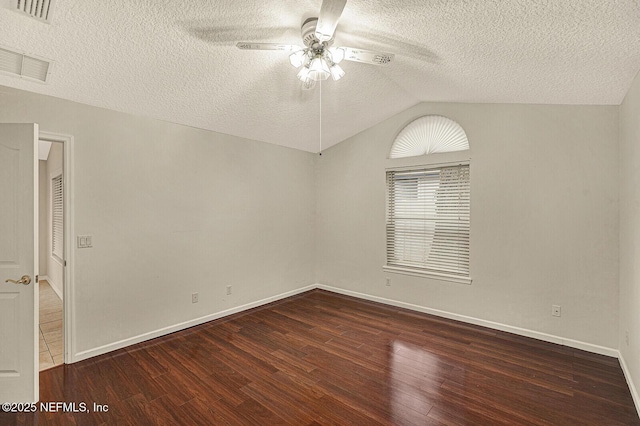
319,59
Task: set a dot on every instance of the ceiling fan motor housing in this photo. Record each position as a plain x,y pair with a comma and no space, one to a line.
309,38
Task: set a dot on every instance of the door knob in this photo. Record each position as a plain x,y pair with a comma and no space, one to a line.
26,280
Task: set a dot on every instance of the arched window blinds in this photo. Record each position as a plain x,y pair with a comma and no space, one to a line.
427,135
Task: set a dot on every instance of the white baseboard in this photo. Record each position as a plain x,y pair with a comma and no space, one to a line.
79,356
53,285
632,387
602,350
444,314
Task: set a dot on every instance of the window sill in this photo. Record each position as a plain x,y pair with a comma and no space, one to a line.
425,274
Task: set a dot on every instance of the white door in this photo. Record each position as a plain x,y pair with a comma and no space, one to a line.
18,228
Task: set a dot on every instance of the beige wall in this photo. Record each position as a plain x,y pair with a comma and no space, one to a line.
174,210
630,233
544,218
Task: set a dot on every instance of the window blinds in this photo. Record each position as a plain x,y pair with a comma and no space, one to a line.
56,217
428,220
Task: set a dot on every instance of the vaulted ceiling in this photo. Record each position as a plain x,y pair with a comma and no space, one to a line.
177,61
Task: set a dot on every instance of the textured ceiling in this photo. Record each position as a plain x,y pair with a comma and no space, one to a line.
177,61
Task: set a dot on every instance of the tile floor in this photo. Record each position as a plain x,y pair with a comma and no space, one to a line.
51,353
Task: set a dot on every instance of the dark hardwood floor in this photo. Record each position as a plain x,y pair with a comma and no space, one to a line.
321,358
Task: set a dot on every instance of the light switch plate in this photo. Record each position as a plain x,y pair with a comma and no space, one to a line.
84,241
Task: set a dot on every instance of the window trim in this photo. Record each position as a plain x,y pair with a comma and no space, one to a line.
417,271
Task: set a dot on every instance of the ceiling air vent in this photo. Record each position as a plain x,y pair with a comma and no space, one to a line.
39,9
22,65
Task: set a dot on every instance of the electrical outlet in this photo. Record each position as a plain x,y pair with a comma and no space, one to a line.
194,297
556,310
228,290
388,282
626,337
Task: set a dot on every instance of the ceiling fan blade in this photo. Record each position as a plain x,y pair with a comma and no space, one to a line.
330,12
246,45
367,56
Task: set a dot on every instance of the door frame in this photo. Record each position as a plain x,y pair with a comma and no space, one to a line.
68,301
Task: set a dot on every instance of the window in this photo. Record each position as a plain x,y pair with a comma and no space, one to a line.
428,222
56,217
429,134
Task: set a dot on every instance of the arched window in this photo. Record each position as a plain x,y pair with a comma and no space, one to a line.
427,135
429,206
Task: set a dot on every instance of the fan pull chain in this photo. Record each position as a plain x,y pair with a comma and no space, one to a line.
320,152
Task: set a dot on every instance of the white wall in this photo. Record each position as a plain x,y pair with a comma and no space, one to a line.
544,219
174,210
630,235
54,265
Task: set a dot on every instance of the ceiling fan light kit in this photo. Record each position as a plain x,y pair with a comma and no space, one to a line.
319,60
298,58
336,72
318,68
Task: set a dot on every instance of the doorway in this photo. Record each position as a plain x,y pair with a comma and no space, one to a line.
51,259
55,254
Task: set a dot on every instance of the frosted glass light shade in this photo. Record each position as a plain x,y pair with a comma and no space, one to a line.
428,135
336,72
318,69
303,74
297,58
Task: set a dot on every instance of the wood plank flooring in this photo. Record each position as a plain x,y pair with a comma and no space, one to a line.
326,359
